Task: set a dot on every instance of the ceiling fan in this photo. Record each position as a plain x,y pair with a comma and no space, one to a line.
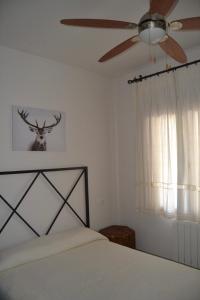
152,29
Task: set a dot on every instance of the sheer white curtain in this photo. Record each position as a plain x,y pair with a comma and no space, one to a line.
168,144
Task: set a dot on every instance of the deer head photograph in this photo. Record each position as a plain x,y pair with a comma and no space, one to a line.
46,123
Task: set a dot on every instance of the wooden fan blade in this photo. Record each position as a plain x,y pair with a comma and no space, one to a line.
162,7
120,48
99,23
186,24
173,49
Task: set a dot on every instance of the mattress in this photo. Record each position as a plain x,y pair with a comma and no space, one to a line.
84,265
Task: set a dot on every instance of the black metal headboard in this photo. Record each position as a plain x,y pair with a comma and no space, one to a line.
42,172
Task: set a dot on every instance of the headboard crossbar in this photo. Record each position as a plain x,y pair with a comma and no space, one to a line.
42,172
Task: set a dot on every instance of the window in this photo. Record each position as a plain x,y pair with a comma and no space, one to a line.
168,144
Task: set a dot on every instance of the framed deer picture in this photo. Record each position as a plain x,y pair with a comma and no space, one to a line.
37,129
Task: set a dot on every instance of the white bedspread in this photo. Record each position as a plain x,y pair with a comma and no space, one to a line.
99,270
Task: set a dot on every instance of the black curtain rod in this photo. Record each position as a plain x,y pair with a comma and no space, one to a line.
140,78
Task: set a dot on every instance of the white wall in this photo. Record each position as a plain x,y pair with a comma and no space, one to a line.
33,81
154,234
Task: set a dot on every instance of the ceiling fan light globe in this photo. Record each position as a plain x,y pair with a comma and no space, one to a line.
152,35
152,28
175,25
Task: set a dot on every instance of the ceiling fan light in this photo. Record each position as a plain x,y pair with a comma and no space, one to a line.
152,35
176,25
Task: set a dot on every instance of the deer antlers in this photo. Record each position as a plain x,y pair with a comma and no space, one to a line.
58,118
24,115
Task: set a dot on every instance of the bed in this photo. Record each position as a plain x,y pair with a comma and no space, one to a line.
80,264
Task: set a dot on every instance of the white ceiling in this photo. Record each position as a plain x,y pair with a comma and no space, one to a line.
33,26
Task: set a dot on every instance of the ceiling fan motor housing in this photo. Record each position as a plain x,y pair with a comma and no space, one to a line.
152,28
